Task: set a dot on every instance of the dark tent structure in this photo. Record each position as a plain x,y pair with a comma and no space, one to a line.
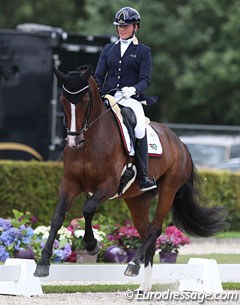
30,113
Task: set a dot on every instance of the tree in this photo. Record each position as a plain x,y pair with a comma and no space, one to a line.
55,13
195,50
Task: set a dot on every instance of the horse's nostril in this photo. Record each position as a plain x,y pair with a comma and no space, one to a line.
81,143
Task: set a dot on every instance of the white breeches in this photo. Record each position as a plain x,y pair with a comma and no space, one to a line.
137,108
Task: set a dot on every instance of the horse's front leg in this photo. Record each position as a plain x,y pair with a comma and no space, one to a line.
91,244
65,202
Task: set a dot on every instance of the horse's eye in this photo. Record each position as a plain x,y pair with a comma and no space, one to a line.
65,121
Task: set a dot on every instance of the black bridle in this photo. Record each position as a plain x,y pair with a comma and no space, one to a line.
86,124
88,110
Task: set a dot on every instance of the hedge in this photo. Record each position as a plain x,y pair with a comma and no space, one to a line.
34,186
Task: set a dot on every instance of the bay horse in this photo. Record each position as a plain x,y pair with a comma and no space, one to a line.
94,158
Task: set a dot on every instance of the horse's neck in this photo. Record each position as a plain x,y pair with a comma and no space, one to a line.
98,105
103,122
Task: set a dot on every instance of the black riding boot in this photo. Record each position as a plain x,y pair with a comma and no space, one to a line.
145,182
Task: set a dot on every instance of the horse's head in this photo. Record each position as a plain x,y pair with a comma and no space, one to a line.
76,98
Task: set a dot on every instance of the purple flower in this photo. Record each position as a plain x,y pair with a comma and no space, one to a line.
60,255
56,244
27,234
67,251
3,254
5,224
13,237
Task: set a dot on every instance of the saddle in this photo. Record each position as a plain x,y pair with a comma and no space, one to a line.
126,121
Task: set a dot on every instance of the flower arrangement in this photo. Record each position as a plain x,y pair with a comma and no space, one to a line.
171,240
20,233
15,234
62,248
125,236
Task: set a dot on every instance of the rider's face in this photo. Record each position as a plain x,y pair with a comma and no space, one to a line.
125,31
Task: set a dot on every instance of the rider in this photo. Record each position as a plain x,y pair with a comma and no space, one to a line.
124,70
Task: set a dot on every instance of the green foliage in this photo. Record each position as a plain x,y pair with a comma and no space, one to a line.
65,14
29,186
34,187
222,189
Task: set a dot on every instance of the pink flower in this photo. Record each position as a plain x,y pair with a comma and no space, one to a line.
126,236
111,237
97,227
172,239
71,229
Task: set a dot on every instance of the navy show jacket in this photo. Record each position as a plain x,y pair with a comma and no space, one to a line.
132,69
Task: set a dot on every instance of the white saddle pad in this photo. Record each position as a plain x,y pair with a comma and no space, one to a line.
154,144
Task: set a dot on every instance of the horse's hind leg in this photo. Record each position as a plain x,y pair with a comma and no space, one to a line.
68,193
139,208
150,233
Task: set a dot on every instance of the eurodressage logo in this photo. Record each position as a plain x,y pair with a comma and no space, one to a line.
168,295
153,146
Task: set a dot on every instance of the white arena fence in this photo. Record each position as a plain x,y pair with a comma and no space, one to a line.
16,275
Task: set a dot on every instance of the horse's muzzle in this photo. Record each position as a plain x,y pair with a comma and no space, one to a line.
75,141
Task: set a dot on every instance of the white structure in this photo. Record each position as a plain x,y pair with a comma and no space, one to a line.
16,278
209,281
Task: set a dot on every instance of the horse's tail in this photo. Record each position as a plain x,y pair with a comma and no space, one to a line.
191,217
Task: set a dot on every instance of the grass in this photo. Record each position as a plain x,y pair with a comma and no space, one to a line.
221,258
87,288
229,234
116,288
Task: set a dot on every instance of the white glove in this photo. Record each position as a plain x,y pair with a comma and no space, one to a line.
128,91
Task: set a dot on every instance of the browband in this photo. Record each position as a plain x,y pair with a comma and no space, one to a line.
75,92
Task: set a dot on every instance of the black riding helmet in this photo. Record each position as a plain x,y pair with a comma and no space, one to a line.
126,16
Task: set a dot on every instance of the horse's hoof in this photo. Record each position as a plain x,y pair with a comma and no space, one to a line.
132,269
41,271
95,250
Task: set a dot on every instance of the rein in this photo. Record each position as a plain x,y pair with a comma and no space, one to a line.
101,115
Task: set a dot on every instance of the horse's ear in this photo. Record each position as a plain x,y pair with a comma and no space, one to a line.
87,73
60,75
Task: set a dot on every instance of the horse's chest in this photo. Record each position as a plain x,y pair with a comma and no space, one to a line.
88,172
